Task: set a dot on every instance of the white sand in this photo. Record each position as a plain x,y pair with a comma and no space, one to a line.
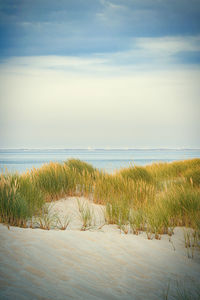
97,264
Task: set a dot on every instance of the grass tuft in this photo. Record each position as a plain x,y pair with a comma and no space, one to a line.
86,215
137,174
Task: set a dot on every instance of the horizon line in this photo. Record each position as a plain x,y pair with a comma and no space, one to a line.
100,148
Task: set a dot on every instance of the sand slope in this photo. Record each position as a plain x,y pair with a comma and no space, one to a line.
103,264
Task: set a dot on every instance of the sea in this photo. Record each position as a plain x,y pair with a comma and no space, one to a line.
20,160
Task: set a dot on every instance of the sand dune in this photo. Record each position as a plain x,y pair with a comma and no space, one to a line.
95,264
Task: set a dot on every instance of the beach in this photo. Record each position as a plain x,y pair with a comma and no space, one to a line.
99,150
99,263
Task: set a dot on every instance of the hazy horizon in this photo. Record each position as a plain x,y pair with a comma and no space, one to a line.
100,148
100,74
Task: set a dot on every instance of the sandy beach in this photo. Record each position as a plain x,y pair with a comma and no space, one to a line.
99,150
93,264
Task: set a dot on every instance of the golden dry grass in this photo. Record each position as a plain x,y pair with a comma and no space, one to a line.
154,198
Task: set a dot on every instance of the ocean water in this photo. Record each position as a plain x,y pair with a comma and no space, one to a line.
107,159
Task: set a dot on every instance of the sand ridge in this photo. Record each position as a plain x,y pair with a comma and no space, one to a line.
93,264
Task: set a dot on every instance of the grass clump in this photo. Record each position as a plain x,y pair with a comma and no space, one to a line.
86,215
137,174
79,166
46,220
181,202
63,223
177,169
53,180
110,187
137,220
193,177
185,290
20,199
83,175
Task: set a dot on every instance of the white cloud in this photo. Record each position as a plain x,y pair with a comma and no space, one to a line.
143,54
169,45
50,61
155,52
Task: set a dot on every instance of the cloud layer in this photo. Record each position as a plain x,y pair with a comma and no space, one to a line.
71,27
99,73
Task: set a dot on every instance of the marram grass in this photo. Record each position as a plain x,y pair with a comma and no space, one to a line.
20,199
155,198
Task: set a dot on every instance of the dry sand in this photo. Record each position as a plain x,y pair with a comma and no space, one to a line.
95,264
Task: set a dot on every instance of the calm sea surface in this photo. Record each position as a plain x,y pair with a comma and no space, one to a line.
109,160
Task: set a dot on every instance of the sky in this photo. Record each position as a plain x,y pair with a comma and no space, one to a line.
98,73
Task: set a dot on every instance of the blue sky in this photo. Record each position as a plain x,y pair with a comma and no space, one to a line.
99,73
85,27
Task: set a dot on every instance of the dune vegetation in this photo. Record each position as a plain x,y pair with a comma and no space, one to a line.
154,199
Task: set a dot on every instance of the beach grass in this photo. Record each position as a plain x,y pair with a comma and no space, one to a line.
172,170
155,198
20,199
136,174
183,291
86,215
